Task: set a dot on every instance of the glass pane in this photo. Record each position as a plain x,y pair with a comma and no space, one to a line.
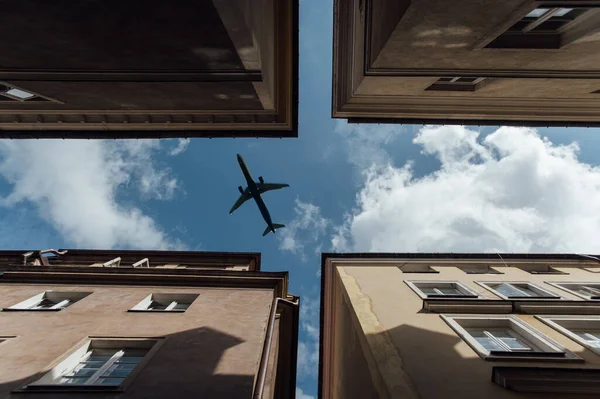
591,337
485,341
72,380
119,370
84,370
562,12
181,306
109,381
444,79
429,291
507,290
130,359
538,12
450,291
589,290
466,80
20,94
156,306
510,340
43,304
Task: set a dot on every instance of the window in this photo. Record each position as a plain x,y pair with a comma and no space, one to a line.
441,289
457,84
417,268
98,363
548,26
539,269
165,303
584,330
12,93
506,337
479,269
583,290
518,290
50,300
501,339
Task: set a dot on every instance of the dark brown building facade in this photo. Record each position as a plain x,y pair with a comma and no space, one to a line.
147,69
522,62
145,324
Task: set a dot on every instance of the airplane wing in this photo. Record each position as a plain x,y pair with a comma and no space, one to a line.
264,187
243,198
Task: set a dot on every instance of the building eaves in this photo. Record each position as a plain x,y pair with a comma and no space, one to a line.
471,122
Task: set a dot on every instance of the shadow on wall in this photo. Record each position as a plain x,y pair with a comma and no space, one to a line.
184,366
437,369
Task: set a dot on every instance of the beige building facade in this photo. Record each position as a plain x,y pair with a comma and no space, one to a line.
460,326
145,324
523,62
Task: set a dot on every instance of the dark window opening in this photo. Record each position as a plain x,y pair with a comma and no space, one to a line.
457,84
541,28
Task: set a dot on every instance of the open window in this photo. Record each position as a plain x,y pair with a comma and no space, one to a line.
505,337
50,301
478,269
165,303
441,289
550,25
417,268
590,291
584,330
518,290
100,363
12,93
458,84
539,269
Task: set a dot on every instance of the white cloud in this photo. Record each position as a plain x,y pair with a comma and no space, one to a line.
512,191
301,395
307,227
366,142
182,145
308,359
308,349
74,183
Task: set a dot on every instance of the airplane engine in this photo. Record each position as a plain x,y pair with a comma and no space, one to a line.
260,179
241,190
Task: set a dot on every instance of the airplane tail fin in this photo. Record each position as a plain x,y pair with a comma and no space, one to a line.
275,226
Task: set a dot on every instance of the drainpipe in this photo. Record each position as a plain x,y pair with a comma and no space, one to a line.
264,361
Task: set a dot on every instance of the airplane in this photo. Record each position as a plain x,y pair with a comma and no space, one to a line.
254,190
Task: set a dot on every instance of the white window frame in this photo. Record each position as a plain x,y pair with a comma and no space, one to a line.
50,380
467,291
534,287
61,300
548,349
172,300
560,285
565,324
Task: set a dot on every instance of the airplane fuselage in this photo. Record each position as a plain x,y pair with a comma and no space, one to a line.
254,192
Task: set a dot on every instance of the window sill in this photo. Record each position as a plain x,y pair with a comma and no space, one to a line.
154,311
30,310
535,356
64,389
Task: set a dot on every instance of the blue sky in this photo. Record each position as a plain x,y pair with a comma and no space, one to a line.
352,188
